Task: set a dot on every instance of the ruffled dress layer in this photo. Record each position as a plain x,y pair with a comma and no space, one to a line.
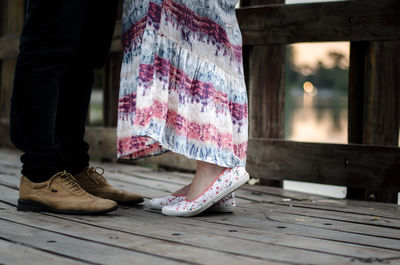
182,86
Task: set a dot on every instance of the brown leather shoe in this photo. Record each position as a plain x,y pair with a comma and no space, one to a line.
93,182
61,194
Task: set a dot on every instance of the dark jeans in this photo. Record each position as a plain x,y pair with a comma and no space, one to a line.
62,41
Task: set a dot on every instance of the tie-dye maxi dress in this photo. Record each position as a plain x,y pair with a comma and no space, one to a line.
182,86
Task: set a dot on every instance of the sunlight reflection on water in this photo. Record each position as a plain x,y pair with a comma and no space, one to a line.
322,121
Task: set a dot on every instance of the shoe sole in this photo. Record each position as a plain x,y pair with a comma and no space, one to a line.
243,180
31,206
213,208
129,203
154,207
221,209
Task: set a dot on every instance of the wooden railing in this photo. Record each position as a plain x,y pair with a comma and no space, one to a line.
369,165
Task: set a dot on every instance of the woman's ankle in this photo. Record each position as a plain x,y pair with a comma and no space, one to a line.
183,191
207,169
205,175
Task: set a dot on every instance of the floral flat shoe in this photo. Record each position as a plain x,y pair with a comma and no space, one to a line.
225,205
227,182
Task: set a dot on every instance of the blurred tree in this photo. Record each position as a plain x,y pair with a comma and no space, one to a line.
333,77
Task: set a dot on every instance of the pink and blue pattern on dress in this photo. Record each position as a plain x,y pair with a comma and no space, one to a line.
182,85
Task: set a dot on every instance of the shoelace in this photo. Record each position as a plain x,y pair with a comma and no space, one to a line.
95,175
68,179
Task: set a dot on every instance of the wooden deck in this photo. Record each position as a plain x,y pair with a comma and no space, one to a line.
270,226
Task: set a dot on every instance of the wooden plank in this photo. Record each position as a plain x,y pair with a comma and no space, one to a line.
139,183
299,229
75,247
284,194
352,20
236,224
123,227
241,213
138,179
336,21
155,184
118,236
269,209
368,220
149,182
371,213
274,236
17,254
134,215
336,164
314,222
277,238
328,164
382,94
364,216
374,108
368,217
277,194
384,210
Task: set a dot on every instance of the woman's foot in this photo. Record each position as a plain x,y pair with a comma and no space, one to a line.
205,175
225,205
222,185
183,191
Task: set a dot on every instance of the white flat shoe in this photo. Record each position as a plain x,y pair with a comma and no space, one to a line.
227,182
158,203
225,205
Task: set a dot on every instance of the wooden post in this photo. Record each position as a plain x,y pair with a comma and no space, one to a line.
12,17
112,75
111,90
374,106
266,89
266,85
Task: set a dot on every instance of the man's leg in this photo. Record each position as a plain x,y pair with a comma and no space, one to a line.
75,90
77,81
49,40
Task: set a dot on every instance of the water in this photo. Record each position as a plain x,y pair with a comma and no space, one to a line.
320,118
